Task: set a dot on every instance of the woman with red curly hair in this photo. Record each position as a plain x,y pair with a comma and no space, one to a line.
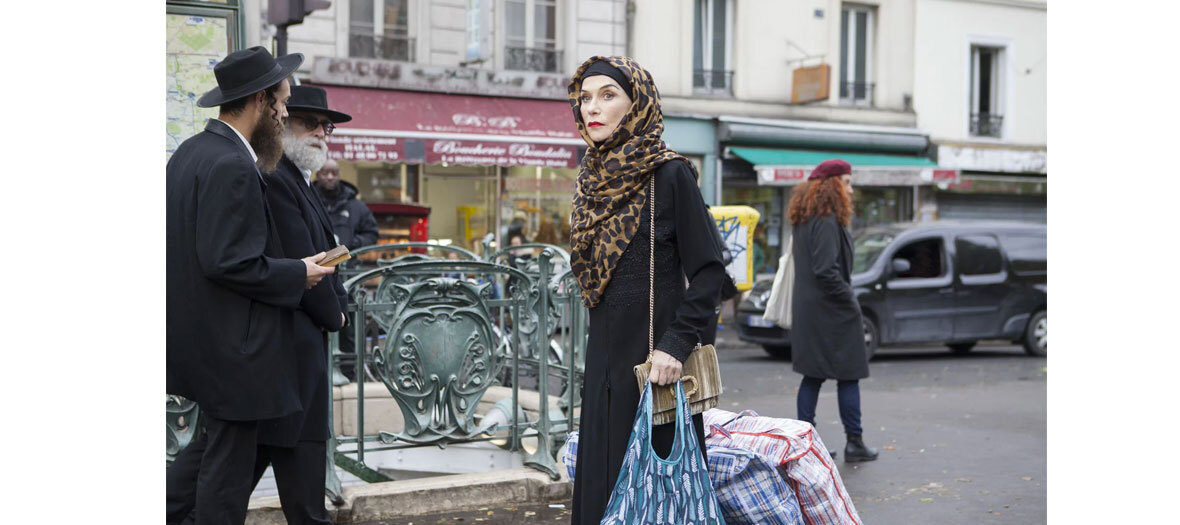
827,333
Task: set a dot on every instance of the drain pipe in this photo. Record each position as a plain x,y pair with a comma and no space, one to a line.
630,22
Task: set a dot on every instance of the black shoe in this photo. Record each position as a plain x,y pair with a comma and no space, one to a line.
856,450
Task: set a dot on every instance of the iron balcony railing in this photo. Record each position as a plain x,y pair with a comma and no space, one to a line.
368,45
531,59
712,81
986,124
857,92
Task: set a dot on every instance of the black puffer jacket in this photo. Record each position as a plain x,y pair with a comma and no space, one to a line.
352,222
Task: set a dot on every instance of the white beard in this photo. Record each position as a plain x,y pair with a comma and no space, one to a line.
308,153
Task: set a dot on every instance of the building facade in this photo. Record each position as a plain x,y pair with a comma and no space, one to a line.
461,114
460,108
785,86
980,91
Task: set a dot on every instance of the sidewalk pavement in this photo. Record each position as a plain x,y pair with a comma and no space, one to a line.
376,502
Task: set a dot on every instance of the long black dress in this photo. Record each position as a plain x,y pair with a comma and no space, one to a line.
685,248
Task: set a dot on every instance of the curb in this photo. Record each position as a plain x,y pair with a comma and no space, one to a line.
399,499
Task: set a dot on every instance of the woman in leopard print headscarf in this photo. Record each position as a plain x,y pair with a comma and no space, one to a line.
617,110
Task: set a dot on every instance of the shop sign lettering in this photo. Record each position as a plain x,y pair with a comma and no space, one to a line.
403,75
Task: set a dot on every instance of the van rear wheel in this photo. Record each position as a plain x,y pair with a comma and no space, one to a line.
1035,340
961,348
871,335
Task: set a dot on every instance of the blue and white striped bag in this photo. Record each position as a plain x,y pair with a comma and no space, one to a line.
750,489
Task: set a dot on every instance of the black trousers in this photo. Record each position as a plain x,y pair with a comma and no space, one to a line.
211,480
299,475
847,396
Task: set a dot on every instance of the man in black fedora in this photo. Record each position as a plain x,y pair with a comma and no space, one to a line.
231,289
296,444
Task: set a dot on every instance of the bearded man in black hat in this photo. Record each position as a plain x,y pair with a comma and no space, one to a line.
296,444
231,288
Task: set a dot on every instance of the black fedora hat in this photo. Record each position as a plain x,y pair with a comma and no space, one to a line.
311,98
246,72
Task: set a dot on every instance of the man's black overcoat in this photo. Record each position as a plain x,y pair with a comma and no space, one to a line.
230,293
304,229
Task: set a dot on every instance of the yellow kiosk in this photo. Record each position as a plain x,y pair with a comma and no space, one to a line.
736,224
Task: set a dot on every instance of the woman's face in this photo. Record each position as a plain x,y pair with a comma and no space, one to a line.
603,104
846,180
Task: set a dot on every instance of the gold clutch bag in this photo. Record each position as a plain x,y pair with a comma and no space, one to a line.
700,372
702,385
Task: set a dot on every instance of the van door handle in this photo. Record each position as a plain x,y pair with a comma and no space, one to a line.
946,290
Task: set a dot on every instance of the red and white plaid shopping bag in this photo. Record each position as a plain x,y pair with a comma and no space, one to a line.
799,452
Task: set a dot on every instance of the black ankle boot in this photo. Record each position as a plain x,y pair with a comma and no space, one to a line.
856,450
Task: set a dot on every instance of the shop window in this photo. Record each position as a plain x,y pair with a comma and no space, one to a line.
530,29
987,115
712,44
380,29
875,205
926,259
979,255
535,203
387,183
856,55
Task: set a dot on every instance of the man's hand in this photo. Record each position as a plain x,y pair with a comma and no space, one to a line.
665,369
316,272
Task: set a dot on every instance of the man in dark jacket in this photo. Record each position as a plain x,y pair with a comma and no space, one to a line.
230,290
296,444
352,222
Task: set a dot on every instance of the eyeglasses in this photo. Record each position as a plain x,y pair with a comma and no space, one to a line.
310,124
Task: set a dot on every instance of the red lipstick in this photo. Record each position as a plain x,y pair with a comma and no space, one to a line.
595,124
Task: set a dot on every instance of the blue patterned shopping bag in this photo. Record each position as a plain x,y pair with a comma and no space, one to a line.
652,490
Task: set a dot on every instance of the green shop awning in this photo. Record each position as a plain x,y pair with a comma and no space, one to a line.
786,167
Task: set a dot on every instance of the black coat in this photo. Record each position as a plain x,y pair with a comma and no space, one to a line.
686,248
352,222
230,293
304,230
827,335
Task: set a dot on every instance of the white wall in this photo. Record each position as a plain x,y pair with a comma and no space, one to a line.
597,27
584,28
945,30
763,61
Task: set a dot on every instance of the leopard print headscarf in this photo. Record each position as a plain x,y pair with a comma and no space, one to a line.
612,179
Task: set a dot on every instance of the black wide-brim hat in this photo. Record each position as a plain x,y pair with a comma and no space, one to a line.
311,98
246,72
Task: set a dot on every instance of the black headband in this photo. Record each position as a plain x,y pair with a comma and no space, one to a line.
601,67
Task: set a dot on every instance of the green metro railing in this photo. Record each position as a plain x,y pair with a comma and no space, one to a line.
437,333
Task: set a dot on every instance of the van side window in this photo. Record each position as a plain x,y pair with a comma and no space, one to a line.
925,257
1027,252
979,254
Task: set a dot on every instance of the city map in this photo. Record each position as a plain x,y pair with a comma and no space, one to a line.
195,45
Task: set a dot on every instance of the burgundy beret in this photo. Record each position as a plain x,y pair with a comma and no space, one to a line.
831,168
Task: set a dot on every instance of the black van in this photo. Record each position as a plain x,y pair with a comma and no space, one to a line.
943,281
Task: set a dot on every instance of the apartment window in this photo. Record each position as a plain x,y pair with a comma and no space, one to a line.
856,55
530,30
987,115
380,29
712,41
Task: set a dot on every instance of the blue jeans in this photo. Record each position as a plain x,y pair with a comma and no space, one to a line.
847,395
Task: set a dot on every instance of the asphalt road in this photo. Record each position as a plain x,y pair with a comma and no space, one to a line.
962,438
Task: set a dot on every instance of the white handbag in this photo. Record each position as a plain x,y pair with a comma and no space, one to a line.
778,305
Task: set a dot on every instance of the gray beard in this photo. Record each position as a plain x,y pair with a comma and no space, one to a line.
304,153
